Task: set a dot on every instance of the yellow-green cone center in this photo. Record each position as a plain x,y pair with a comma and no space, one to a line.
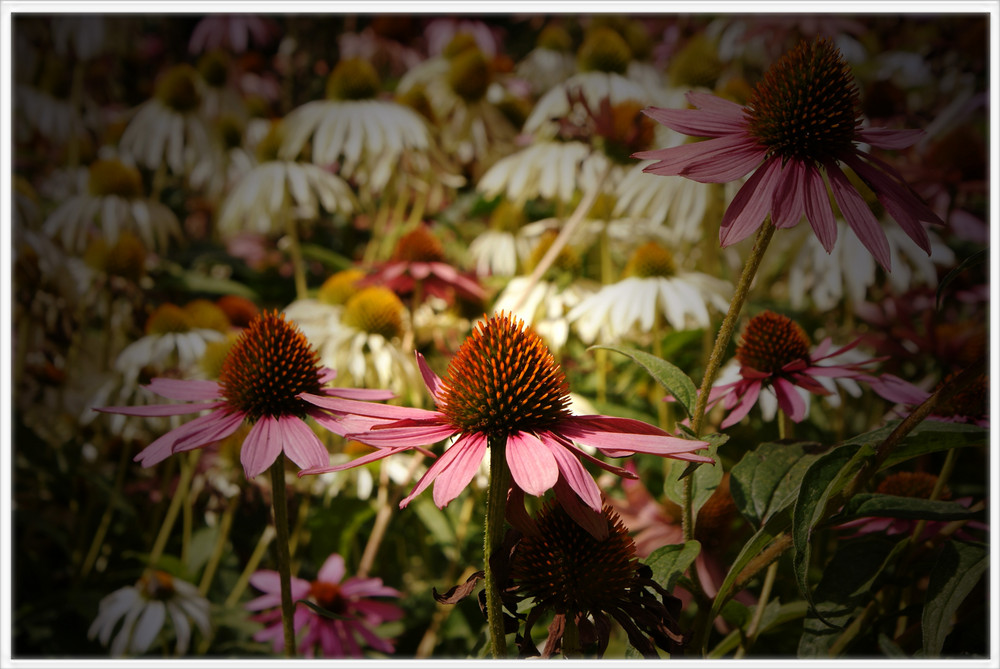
168,318
113,177
469,75
353,79
771,341
339,287
177,89
650,260
268,367
806,106
207,315
565,567
502,380
375,310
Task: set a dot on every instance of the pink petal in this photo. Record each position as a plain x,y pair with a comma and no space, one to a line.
897,390
301,444
431,380
614,424
746,402
789,196
190,390
194,432
381,611
859,216
532,465
752,203
898,201
818,211
715,104
326,375
574,473
697,123
348,406
456,474
585,516
449,274
367,587
789,399
415,435
344,425
360,393
884,138
262,446
333,569
618,445
160,409
419,270
713,161
441,464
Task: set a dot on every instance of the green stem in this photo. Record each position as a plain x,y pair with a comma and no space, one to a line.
225,525
298,264
722,340
496,502
102,528
758,614
280,505
187,470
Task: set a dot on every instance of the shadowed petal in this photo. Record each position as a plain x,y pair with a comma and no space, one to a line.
160,409
196,433
412,435
899,202
617,444
746,402
574,473
698,123
190,390
348,406
789,196
711,161
886,138
333,569
818,211
360,393
456,474
789,399
752,203
859,216
262,446
532,465
301,444
356,462
441,464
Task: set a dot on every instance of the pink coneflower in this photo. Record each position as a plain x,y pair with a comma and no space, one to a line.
802,121
775,354
347,599
504,384
419,260
232,31
270,378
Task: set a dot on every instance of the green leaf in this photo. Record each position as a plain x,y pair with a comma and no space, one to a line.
767,479
932,436
895,506
824,478
676,382
670,562
844,590
955,574
704,480
195,282
323,612
326,256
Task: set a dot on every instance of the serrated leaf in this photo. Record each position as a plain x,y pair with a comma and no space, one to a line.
767,479
955,574
670,562
844,590
824,478
668,375
895,506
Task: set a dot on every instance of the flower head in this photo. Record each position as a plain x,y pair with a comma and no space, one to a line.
142,608
267,379
505,390
802,121
775,354
568,571
351,617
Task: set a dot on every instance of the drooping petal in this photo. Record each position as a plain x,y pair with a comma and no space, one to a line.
418,434
712,161
584,514
698,123
752,203
616,444
886,138
745,402
789,196
201,431
148,627
715,104
436,469
356,462
899,202
301,444
574,473
789,399
532,465
262,446
457,474
859,216
349,406
818,210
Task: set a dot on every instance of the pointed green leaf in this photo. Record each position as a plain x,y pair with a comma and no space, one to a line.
844,590
767,479
933,436
955,574
670,562
704,480
895,506
676,382
323,612
824,478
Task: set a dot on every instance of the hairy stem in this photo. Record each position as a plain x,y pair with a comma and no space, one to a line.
280,505
496,502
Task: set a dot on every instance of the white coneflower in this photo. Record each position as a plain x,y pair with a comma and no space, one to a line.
551,170
114,202
551,61
168,128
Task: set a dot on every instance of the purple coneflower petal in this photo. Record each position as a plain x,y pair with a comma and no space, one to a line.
697,123
348,406
160,409
373,640
431,380
167,444
216,429
369,587
375,455
333,569
859,216
712,161
301,444
899,202
897,390
262,446
464,446
745,402
886,138
574,474
789,197
584,515
408,436
532,465
789,399
817,207
752,202
615,444
715,104
370,394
